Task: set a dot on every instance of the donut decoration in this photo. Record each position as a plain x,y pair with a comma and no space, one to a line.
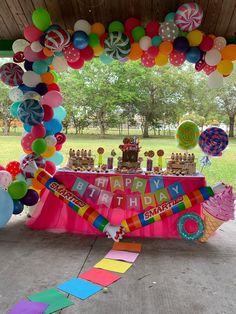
56,39
11,74
60,137
19,57
213,141
117,45
184,233
40,162
100,150
188,16
31,112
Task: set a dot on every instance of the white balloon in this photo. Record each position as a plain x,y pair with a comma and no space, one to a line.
215,80
83,25
31,79
5,179
213,57
219,43
51,140
15,94
31,95
36,46
19,45
145,42
59,64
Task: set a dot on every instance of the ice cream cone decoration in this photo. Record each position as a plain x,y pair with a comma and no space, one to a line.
100,152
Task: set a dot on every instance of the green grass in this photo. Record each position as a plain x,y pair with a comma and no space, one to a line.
222,168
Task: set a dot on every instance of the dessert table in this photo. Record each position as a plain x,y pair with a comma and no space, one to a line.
125,197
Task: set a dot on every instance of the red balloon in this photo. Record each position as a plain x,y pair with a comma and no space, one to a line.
48,113
38,130
13,167
71,53
53,86
76,65
87,53
207,43
131,23
27,140
152,28
58,146
2,168
129,34
50,167
153,51
32,33
177,58
147,61
102,39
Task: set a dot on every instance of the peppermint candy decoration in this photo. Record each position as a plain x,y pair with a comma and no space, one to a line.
57,39
188,16
117,45
71,53
60,137
40,162
11,74
31,112
213,141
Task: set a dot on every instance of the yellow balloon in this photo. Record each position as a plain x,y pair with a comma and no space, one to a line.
225,67
229,52
49,151
98,50
161,59
195,38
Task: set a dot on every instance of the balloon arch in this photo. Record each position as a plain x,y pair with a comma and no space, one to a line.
48,49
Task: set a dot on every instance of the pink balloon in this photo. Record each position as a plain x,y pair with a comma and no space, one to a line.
27,140
30,55
38,130
32,33
52,99
5,179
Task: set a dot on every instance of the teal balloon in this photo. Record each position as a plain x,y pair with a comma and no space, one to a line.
6,207
58,53
104,58
40,67
59,113
56,158
20,177
41,19
14,108
156,41
27,127
53,125
49,60
170,17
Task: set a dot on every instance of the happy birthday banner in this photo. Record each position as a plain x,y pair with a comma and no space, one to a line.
127,192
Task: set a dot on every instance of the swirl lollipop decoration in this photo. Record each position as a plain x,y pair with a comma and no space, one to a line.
187,135
213,141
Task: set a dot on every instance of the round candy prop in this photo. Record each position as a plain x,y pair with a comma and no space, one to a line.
188,16
60,137
57,39
11,74
31,112
213,141
193,235
117,45
187,135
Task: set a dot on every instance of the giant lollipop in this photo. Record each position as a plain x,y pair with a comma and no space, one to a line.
30,111
187,135
117,45
213,141
188,16
11,74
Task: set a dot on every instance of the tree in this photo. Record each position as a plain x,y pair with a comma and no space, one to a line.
4,108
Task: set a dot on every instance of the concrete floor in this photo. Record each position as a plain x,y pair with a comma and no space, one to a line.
169,276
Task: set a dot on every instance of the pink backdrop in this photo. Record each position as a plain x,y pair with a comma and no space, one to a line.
53,215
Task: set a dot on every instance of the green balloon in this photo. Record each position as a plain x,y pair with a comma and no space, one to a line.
14,108
39,146
187,135
116,26
138,32
56,76
93,40
41,19
17,189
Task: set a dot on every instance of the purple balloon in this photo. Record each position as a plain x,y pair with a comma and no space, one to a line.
31,198
181,44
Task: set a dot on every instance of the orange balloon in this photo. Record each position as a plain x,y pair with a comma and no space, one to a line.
49,151
165,47
229,52
37,185
161,59
47,52
98,50
27,151
135,52
98,28
51,67
47,78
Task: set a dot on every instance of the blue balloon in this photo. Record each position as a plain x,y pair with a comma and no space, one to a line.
59,113
193,55
6,207
18,207
27,127
28,65
56,158
105,58
14,108
40,67
80,39
25,88
170,17
53,126
53,27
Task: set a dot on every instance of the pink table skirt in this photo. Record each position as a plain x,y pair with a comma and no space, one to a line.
53,215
